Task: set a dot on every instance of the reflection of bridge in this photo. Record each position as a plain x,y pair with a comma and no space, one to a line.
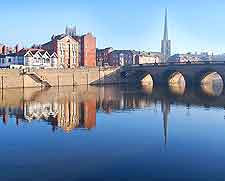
193,73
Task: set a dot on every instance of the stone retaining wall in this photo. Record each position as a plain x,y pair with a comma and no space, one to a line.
12,78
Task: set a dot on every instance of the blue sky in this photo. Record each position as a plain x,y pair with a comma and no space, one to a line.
194,25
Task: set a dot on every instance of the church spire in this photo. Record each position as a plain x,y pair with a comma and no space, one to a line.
165,37
166,43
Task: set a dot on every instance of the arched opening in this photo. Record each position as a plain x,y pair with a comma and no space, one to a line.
176,79
147,88
212,84
177,89
147,80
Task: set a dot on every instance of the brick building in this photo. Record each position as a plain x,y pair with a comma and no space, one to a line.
88,50
122,57
102,56
67,49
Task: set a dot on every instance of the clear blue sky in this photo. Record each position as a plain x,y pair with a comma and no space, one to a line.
123,24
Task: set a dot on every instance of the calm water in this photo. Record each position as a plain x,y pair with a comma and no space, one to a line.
113,133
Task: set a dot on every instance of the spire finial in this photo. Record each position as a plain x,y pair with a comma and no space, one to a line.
165,37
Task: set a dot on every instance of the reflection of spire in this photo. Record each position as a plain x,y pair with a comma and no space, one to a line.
165,124
165,110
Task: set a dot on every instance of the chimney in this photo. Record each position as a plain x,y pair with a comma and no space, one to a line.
17,48
4,50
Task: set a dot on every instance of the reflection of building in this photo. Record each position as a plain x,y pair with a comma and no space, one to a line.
88,113
67,113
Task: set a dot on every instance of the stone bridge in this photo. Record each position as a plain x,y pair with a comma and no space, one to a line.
193,73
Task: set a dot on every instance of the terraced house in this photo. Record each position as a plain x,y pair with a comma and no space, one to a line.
33,58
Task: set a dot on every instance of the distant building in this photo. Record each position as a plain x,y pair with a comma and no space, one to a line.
88,50
122,57
71,31
148,57
67,49
166,43
102,56
179,58
220,57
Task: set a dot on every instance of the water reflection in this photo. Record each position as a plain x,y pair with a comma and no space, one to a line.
72,108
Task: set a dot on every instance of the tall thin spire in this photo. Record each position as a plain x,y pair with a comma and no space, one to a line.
166,43
165,36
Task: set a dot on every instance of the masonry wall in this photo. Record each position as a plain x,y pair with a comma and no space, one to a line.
60,77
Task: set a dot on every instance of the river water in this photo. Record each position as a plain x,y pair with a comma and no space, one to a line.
113,133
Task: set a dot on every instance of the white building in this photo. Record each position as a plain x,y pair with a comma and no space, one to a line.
148,58
37,58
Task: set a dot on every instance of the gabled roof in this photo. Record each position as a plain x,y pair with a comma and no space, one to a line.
23,52
53,54
44,52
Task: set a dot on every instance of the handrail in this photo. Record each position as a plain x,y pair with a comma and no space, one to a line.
41,79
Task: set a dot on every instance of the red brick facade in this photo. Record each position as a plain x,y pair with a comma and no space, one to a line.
67,49
88,50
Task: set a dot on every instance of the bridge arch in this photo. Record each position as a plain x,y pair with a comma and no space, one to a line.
142,77
147,79
174,77
210,76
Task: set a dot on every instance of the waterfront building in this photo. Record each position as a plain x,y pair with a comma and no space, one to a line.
166,43
73,50
37,58
148,57
102,56
88,50
66,48
122,57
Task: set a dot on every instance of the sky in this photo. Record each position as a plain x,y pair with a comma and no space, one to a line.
194,25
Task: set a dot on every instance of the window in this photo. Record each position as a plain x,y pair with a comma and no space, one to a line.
9,60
